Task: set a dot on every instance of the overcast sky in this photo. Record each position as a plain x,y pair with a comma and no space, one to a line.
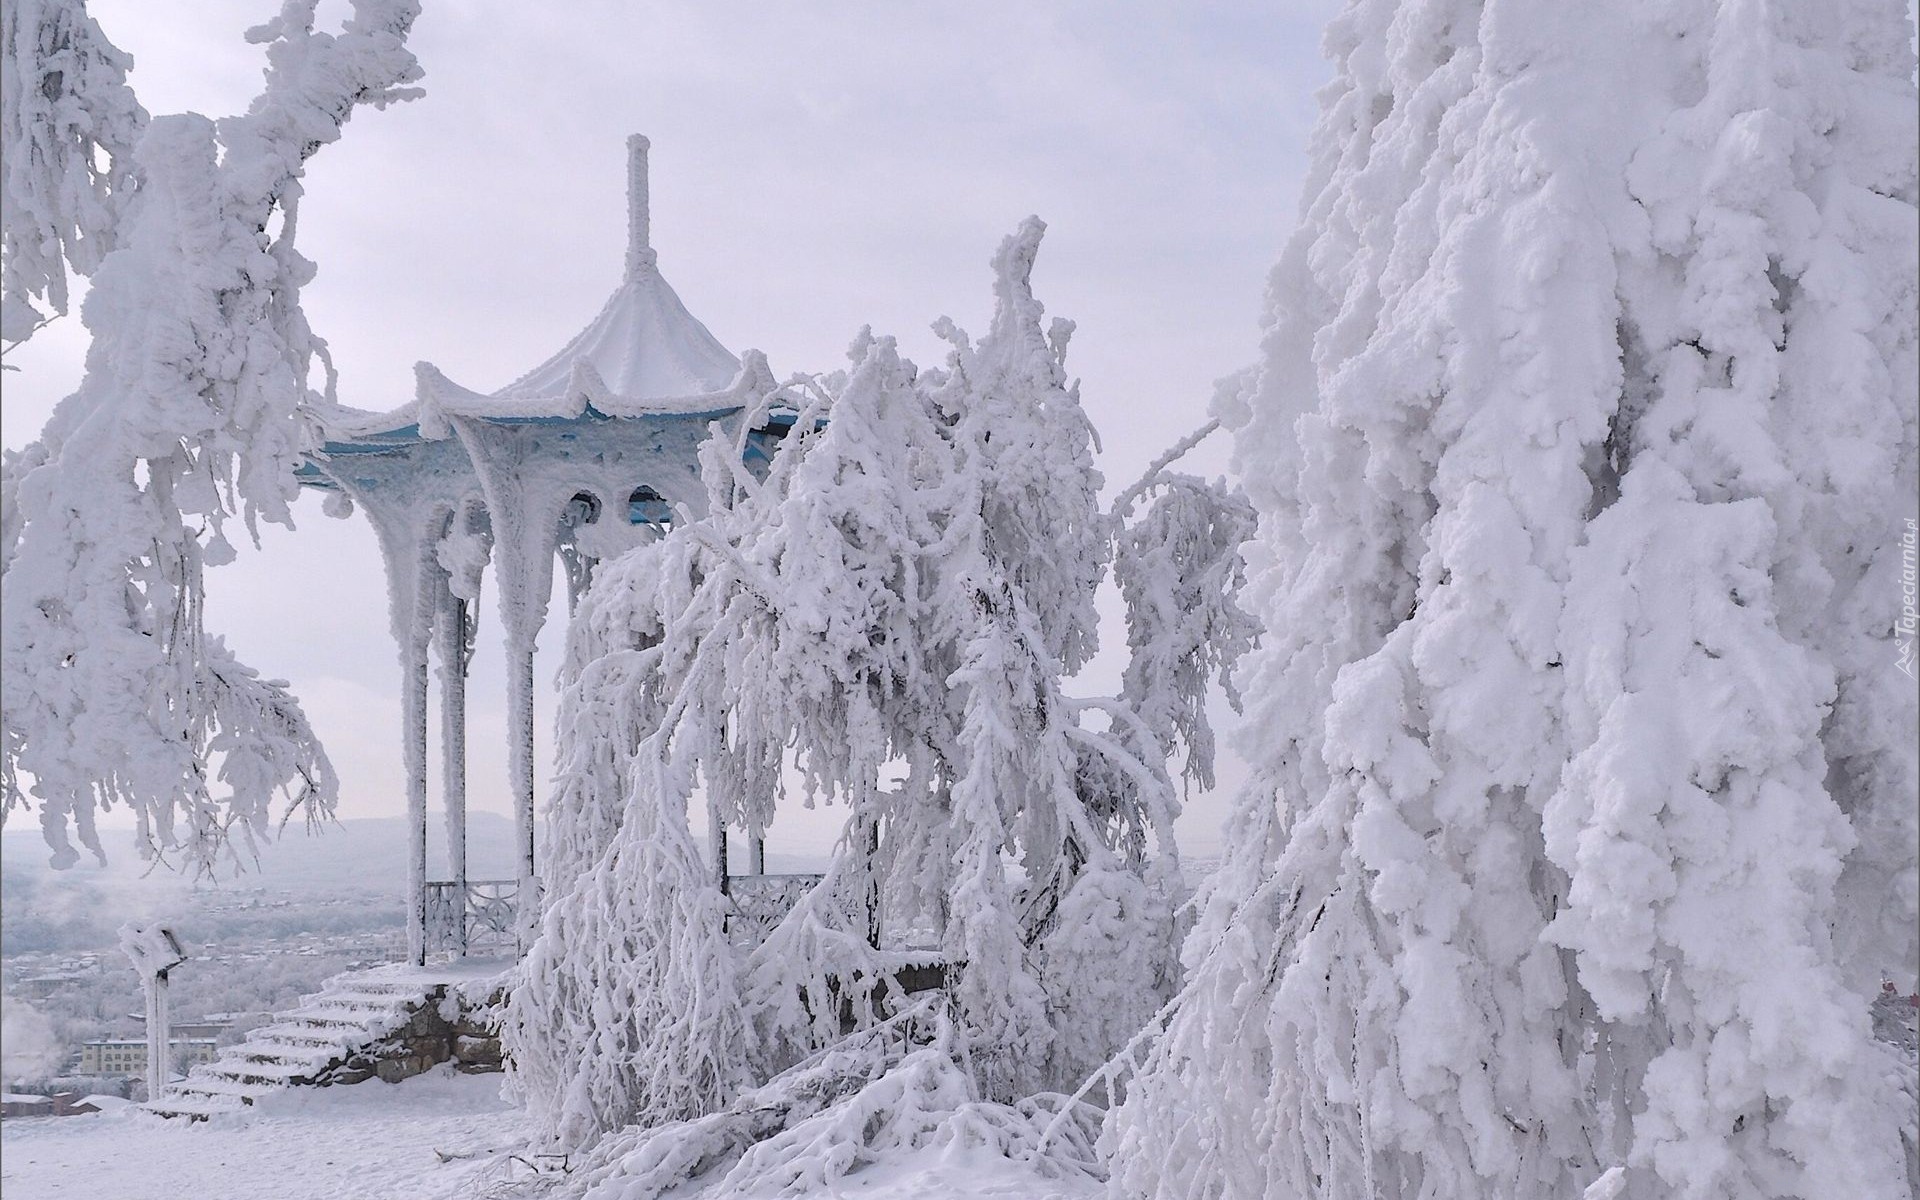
815,167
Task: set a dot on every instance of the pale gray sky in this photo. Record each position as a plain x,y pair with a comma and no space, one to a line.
815,167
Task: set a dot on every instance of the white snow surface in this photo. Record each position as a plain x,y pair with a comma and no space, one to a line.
377,1141
372,1141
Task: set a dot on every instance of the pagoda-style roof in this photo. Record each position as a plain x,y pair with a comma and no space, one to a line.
644,355
645,345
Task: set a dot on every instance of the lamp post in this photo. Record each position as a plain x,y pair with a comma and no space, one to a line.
154,951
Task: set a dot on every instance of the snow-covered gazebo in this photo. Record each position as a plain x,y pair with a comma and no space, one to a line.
581,458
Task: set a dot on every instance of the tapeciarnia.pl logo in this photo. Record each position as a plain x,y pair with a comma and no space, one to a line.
1905,627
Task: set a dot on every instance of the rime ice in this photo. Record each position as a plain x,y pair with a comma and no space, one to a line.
1582,830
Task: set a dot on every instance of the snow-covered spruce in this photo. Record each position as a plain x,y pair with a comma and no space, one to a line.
1583,825
891,610
190,412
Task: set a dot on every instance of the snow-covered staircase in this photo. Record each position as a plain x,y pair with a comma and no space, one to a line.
334,1036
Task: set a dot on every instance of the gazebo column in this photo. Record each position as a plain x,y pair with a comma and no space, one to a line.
451,631
415,642
520,767
400,516
413,708
525,512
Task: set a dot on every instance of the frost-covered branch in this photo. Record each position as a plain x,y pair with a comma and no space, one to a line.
64,106
1123,503
190,412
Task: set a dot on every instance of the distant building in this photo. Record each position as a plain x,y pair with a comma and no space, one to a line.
128,1056
60,1104
208,1026
39,987
15,1104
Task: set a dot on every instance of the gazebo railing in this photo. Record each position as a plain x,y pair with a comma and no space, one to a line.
482,919
479,919
757,903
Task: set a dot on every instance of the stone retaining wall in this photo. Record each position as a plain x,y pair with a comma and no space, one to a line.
448,1026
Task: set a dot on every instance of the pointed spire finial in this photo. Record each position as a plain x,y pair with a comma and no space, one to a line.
639,238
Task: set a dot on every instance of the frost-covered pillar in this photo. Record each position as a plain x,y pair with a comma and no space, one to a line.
155,952
159,1038
400,515
520,753
451,630
413,719
525,505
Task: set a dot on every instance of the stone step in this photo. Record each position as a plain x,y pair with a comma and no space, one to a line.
207,1085
298,1033
306,1057
321,1042
302,1044
195,1107
258,1071
364,986
373,997
249,1053
335,1018
369,1003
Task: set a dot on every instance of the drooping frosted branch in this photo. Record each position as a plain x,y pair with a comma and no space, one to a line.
64,104
191,411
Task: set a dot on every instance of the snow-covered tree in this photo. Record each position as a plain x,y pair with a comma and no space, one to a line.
191,411
1583,823
64,106
890,612
1180,575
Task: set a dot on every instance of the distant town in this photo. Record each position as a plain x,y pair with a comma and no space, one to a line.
90,1035
75,1033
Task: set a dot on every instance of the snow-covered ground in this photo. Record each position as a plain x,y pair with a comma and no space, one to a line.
371,1141
378,1141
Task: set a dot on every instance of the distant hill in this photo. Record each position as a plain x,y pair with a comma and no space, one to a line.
348,878
363,856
